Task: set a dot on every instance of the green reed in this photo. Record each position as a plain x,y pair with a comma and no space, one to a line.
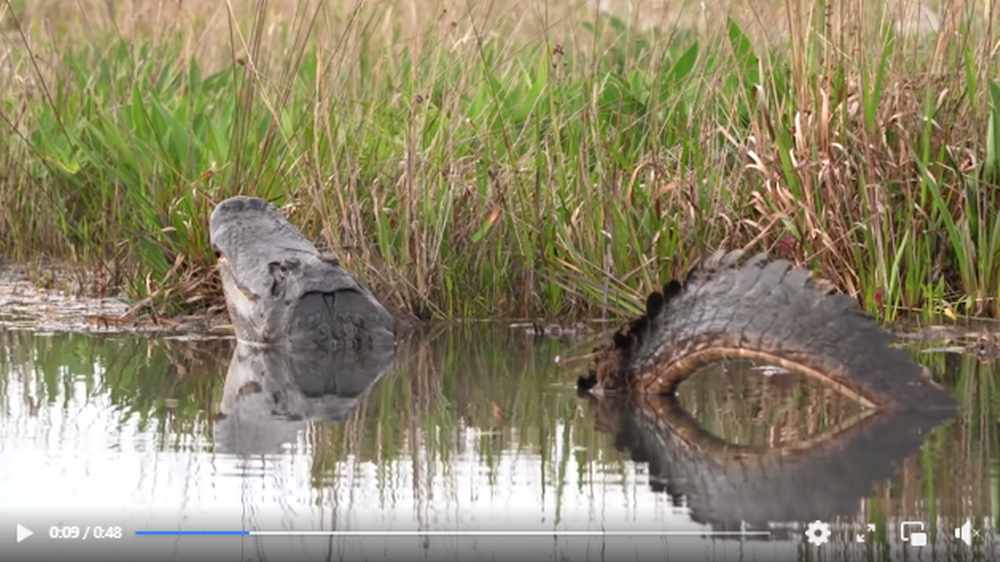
463,169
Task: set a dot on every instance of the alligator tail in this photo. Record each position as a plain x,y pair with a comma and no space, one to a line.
760,310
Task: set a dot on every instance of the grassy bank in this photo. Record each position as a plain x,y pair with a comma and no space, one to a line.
510,159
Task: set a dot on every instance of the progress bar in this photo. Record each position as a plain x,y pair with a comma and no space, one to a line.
469,533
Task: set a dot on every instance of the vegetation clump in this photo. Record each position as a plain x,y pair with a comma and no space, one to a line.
534,159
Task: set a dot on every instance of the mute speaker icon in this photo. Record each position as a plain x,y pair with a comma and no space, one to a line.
965,533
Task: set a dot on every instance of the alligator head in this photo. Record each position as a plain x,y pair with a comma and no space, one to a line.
281,291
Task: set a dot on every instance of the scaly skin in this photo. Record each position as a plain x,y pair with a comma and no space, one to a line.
765,311
280,291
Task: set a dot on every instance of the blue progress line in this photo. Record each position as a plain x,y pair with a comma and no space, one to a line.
192,532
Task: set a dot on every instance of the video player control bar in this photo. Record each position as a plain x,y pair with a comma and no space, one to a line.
468,533
72,532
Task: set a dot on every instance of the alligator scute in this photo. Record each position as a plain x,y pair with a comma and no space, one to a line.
760,309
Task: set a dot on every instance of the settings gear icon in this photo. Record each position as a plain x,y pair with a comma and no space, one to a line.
818,533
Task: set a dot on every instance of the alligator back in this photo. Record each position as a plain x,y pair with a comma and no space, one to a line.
763,310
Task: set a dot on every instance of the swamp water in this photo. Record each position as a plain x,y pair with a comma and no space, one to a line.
470,429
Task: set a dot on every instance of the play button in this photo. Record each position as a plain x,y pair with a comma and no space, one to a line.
23,533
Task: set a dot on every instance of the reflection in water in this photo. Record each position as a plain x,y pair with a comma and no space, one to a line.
472,429
746,404
271,395
836,457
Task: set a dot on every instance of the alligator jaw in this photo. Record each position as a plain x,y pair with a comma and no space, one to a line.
242,304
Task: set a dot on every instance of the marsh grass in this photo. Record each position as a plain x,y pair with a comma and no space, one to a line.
527,159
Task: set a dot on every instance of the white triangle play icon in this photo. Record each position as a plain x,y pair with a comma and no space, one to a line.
23,533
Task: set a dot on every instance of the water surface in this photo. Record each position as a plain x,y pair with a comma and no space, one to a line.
476,430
